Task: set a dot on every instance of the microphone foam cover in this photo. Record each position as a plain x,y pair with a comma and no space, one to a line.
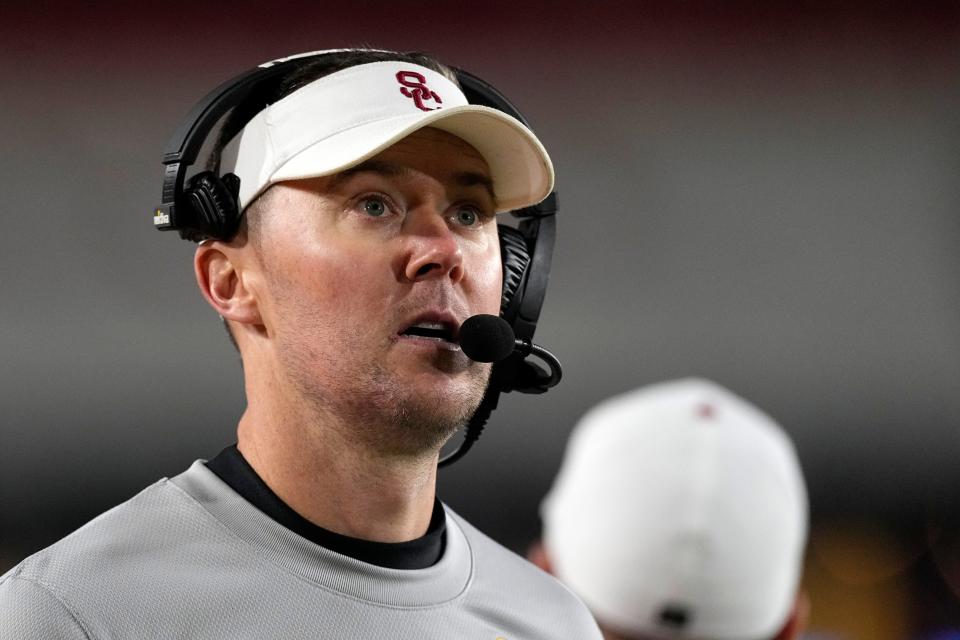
486,338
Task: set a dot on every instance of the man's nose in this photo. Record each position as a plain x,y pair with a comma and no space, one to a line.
433,247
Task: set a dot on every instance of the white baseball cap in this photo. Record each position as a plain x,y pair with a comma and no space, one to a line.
344,118
680,512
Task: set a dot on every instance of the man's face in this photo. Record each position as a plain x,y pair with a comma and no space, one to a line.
351,262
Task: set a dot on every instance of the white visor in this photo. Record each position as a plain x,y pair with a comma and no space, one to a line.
342,119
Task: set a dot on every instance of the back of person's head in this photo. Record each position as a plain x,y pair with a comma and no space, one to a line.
680,512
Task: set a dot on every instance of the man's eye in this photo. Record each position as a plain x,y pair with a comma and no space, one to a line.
374,207
467,217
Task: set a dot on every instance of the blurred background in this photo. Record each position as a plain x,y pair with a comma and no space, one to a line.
765,194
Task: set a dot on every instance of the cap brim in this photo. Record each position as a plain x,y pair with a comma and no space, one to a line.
520,168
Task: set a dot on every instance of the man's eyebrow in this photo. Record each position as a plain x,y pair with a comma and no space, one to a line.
464,179
368,166
472,179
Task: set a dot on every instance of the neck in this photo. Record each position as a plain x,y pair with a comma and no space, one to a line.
312,459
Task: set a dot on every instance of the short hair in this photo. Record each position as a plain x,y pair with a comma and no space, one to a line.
239,116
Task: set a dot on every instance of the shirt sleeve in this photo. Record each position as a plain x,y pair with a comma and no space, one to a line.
29,610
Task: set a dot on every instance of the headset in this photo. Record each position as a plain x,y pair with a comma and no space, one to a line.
205,206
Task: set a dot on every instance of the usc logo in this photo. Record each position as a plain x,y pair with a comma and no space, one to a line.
415,87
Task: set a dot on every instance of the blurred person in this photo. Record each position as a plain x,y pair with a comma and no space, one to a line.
680,511
344,244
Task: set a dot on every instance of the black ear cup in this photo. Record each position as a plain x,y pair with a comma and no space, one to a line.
515,258
211,206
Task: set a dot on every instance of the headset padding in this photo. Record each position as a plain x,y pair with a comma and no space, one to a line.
515,259
213,206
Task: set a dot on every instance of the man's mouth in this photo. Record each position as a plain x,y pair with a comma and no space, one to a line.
435,330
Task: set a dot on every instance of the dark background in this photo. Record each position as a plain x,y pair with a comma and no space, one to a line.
761,194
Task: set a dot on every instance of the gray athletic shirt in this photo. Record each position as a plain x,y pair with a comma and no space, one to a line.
189,558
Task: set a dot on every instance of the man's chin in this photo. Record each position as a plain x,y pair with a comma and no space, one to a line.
433,408
445,398
406,406
418,428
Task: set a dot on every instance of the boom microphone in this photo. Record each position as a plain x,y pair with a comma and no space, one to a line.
488,338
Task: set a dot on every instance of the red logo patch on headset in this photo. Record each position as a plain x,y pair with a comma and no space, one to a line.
415,87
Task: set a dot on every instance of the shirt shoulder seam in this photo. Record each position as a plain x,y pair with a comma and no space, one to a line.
61,600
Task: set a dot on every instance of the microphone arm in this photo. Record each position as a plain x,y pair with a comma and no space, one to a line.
527,348
488,338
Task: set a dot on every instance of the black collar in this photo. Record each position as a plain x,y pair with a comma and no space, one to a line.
231,467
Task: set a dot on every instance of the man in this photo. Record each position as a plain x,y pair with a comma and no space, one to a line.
680,512
368,237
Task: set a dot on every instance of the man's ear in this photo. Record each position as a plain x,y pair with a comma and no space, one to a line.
225,283
798,619
537,554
